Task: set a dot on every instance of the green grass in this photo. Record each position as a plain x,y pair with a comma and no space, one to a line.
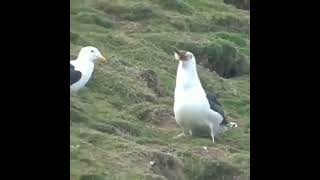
124,118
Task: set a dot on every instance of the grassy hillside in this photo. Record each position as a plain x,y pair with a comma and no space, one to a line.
124,119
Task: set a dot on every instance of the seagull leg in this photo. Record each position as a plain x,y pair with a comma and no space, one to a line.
181,134
190,132
212,134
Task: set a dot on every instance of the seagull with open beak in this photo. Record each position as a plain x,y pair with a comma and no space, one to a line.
192,109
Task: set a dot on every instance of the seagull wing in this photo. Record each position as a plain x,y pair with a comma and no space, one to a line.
75,75
216,106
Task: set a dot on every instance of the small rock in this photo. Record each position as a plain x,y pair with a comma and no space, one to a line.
205,148
152,163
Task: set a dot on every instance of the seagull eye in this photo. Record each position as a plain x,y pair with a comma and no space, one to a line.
92,51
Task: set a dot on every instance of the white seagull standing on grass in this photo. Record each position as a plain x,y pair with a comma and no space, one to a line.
195,111
81,69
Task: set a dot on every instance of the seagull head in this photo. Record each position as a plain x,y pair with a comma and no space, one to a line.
187,58
92,54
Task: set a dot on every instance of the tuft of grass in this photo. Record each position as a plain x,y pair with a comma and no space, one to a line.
177,5
140,11
242,4
92,177
92,18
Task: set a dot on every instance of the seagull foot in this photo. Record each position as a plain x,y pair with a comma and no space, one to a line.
211,132
179,136
233,124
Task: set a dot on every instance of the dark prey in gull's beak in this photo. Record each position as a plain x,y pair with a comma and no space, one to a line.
181,53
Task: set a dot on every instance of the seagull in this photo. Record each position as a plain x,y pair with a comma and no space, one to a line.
81,68
195,110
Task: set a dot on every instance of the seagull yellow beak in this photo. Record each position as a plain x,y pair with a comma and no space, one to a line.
103,60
